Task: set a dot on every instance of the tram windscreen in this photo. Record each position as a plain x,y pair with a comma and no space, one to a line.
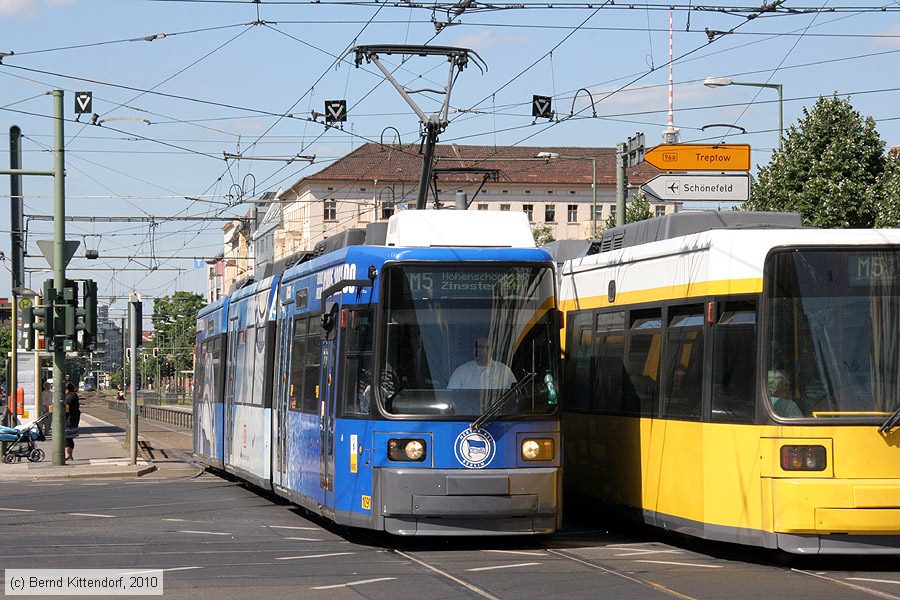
456,338
833,346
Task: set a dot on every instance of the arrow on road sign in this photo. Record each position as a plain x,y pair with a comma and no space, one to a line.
700,157
542,107
335,110
728,188
83,101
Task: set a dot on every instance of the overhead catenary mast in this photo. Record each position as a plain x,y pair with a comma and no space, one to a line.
670,135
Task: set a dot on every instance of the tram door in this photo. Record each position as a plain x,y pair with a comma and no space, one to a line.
231,384
326,416
280,405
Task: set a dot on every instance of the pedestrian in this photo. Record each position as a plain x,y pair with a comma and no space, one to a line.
73,416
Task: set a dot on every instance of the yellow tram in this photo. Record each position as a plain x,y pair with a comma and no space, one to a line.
736,377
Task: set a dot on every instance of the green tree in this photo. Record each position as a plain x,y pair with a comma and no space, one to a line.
636,210
5,347
826,168
886,193
543,234
174,324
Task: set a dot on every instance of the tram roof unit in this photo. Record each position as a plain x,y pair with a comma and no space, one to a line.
733,253
428,235
685,223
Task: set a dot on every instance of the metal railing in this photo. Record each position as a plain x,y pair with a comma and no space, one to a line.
170,416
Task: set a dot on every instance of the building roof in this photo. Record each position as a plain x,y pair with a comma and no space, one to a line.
516,164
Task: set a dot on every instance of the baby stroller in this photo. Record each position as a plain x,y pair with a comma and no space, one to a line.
22,440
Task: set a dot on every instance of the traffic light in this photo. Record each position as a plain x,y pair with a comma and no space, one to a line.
89,333
45,312
155,352
70,316
28,327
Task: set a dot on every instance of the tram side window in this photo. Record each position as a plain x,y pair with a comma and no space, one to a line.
298,354
200,371
578,361
640,394
358,391
684,363
734,363
312,368
609,350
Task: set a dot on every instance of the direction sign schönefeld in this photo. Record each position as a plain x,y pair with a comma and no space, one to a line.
731,188
700,157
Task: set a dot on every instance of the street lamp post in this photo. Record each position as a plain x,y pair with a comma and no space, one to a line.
723,81
554,155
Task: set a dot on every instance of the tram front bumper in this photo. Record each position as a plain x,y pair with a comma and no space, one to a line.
463,502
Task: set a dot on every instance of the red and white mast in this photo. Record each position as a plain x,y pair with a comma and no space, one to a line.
670,135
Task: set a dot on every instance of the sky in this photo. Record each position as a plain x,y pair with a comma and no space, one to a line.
176,84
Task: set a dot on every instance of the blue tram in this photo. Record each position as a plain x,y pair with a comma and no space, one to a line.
407,383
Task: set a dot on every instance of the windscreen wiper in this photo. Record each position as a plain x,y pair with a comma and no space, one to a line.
891,422
494,408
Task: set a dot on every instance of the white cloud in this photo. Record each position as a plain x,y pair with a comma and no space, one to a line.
643,98
27,8
883,42
17,8
486,40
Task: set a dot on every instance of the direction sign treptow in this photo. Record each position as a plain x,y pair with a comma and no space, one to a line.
700,157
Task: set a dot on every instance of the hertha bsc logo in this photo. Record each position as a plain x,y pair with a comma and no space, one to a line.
475,449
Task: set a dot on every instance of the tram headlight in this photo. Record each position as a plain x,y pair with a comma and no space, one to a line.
406,450
538,449
803,458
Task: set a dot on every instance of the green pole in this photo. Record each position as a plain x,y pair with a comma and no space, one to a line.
59,274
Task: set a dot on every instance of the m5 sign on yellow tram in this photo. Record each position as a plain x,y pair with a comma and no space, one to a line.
700,157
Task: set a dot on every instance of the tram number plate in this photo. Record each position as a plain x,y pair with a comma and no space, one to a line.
367,502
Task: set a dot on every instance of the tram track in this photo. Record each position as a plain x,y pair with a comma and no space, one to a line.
847,584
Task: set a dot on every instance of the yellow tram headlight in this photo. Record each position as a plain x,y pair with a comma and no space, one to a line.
406,450
538,449
803,458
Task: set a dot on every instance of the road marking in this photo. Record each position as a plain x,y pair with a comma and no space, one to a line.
849,585
639,552
680,564
645,582
531,564
465,584
93,515
361,582
146,571
873,580
204,532
293,527
525,552
314,556
18,509
302,539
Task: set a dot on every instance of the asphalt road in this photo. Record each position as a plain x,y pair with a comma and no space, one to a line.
216,538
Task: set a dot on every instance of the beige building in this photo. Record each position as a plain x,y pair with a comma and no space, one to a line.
375,180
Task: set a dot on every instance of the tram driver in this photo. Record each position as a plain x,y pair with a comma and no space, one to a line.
779,392
482,372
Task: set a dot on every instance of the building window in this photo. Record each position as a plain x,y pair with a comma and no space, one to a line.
504,192
573,213
549,213
612,211
660,210
572,192
330,210
599,214
528,209
482,207
549,191
527,191
387,210
504,207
